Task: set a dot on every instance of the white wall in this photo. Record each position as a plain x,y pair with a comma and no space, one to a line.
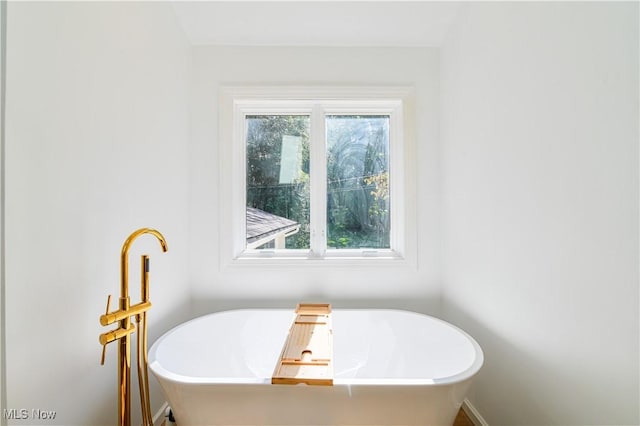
539,176
214,287
97,128
540,183
3,383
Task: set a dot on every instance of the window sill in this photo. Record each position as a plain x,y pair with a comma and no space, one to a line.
331,259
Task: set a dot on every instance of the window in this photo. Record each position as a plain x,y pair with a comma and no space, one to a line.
314,173
277,181
358,198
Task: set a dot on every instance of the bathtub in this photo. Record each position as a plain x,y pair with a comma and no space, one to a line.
390,368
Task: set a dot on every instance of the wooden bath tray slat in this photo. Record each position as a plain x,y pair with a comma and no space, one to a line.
307,355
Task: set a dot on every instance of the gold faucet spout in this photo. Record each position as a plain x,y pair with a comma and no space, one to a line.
124,258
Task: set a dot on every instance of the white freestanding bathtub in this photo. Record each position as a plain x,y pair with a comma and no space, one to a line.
390,368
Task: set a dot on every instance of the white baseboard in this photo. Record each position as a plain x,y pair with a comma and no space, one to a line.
159,416
473,414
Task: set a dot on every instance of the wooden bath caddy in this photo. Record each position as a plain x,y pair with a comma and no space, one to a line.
307,355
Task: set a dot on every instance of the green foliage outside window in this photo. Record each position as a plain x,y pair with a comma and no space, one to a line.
357,176
264,167
357,181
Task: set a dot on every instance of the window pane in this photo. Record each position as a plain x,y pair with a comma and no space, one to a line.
357,181
277,181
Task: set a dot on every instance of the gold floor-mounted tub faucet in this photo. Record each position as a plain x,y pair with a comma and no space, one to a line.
125,328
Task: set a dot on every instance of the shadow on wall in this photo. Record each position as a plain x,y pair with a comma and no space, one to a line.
203,305
496,373
506,390
105,408
158,325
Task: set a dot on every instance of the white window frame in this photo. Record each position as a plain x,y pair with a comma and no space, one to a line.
238,102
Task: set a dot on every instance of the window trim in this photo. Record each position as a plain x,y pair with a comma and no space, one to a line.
239,101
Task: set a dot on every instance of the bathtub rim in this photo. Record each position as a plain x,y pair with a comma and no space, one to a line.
467,374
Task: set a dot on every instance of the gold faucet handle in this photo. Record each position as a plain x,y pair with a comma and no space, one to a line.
104,353
106,311
104,346
104,318
113,335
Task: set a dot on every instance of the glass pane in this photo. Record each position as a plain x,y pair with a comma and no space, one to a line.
357,181
277,181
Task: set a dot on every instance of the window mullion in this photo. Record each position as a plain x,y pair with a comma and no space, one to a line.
318,178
